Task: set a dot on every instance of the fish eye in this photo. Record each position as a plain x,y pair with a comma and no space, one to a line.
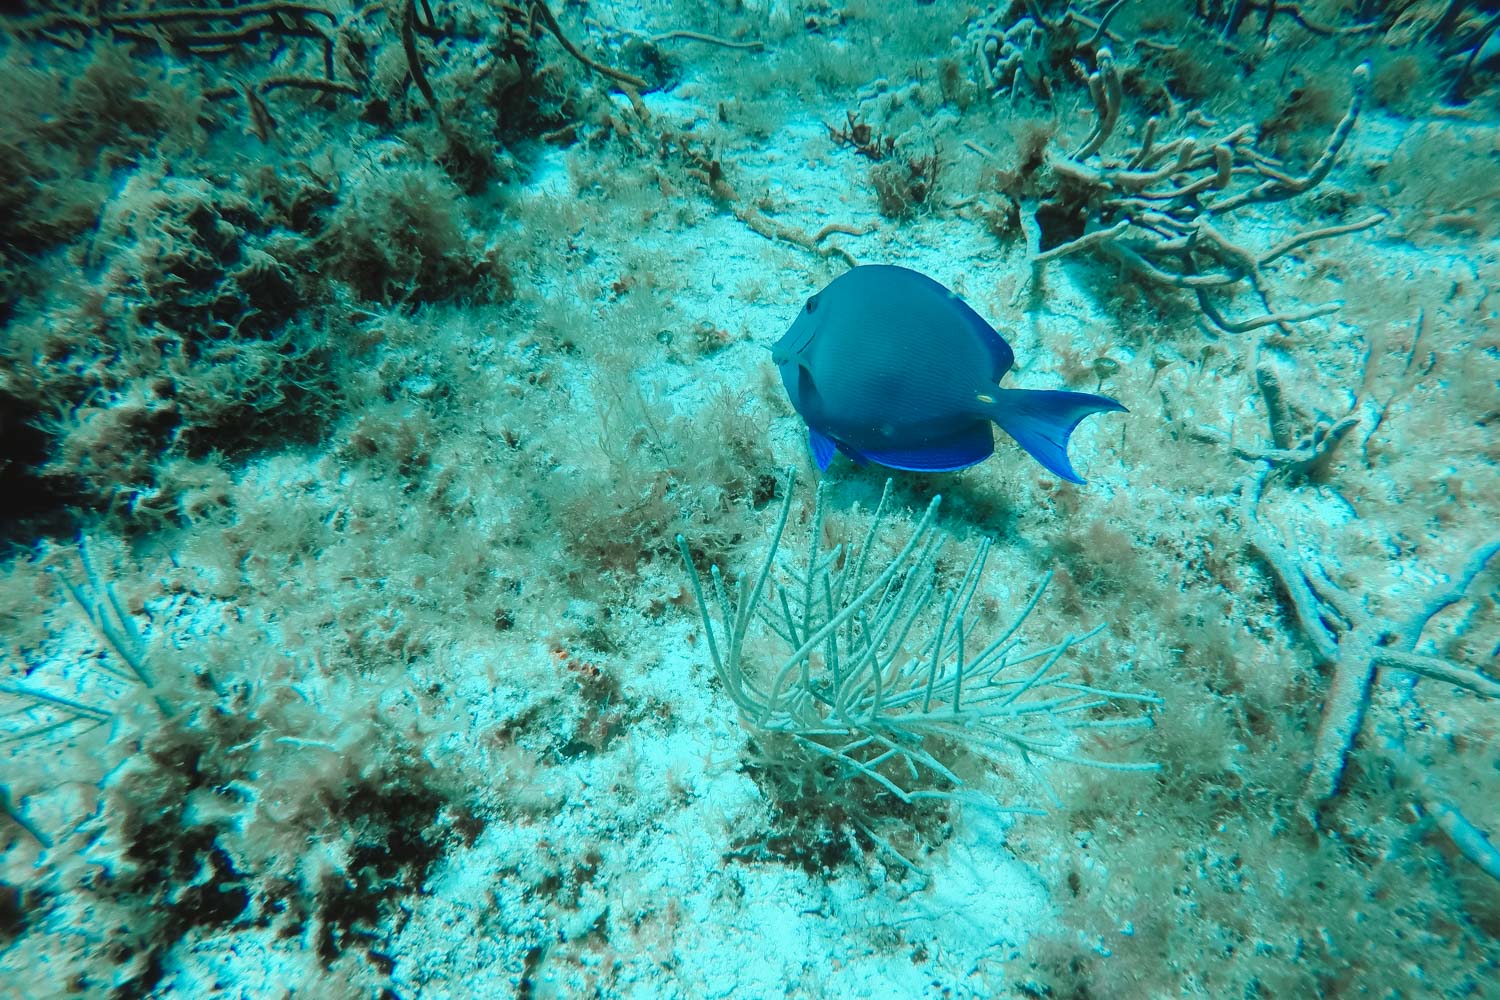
812,304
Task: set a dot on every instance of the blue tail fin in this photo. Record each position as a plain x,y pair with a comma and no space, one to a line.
1040,420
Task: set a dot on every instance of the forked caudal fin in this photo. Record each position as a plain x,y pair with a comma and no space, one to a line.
1040,420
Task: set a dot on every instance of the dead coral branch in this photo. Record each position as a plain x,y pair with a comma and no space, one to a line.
205,31
1018,42
1154,208
549,20
1350,639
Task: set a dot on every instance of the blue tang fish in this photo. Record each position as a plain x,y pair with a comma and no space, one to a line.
888,366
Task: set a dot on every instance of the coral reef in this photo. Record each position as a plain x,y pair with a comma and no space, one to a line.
362,365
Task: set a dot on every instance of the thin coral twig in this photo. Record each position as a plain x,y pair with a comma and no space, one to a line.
550,21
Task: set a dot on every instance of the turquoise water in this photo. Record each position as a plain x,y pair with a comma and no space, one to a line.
419,581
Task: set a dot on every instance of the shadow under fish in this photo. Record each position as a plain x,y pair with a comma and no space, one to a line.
888,366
